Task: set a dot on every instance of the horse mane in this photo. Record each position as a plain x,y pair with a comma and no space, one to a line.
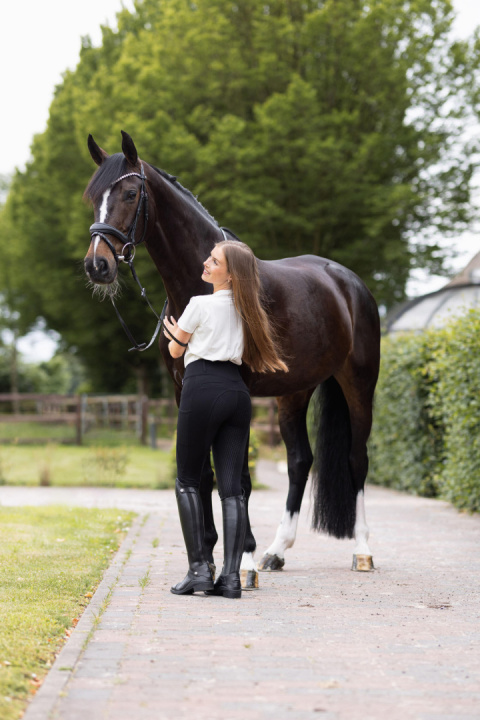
116,165
186,193
192,199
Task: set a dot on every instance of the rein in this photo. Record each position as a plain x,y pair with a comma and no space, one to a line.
128,254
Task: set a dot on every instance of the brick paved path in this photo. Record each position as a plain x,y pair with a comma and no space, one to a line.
316,641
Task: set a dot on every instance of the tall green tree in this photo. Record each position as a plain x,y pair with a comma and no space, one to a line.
331,127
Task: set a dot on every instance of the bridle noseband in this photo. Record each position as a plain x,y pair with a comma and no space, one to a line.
128,253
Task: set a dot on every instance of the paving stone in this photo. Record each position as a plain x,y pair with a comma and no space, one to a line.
315,641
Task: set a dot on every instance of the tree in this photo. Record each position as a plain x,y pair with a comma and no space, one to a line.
332,128
47,226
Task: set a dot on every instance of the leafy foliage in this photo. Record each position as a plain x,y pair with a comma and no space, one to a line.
405,442
426,431
61,374
456,404
306,126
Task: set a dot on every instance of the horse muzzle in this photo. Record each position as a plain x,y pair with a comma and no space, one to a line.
99,270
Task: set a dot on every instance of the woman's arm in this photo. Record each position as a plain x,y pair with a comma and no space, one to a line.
174,348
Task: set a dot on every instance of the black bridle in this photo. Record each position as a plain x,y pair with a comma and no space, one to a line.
128,254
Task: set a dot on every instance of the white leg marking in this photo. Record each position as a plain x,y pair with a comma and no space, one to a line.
248,563
361,528
286,534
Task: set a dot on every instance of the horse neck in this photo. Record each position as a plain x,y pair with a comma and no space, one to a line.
180,238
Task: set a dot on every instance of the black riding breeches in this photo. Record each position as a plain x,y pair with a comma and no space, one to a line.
215,411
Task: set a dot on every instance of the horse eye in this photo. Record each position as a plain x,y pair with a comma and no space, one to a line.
130,195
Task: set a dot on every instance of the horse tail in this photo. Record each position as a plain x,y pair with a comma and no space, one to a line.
333,492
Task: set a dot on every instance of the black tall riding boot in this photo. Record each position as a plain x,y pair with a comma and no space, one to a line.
199,576
234,527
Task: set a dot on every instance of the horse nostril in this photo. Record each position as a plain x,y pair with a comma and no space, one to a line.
97,270
101,267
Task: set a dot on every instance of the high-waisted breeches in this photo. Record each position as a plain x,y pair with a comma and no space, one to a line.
215,411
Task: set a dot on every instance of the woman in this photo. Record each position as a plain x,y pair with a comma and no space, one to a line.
217,332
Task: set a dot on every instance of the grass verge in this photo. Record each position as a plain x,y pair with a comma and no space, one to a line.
51,561
62,465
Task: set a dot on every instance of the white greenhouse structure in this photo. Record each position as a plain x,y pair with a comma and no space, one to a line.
436,309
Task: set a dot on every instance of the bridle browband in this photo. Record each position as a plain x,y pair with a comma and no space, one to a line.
128,254
130,243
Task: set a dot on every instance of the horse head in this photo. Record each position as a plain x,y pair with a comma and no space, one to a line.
117,192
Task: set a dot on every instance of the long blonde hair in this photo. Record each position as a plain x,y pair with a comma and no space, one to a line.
260,352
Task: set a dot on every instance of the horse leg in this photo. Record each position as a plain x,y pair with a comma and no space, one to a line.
292,416
362,556
248,567
359,397
206,489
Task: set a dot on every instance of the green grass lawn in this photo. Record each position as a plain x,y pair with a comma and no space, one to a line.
121,466
32,432
18,432
112,460
50,558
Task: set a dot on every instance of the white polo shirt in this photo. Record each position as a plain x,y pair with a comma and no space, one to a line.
216,328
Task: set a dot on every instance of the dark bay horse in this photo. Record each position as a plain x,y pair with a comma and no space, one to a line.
325,316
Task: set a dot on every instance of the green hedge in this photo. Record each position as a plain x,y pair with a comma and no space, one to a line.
426,433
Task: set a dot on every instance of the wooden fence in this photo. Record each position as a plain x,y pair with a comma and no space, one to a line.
60,410
82,413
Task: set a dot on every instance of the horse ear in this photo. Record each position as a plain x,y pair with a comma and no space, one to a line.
129,149
96,152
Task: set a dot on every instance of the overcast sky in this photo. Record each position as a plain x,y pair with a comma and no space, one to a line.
40,39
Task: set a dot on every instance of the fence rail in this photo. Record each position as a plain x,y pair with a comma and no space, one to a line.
145,416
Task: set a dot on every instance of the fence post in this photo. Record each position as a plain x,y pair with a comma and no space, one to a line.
153,434
79,420
144,419
105,412
84,414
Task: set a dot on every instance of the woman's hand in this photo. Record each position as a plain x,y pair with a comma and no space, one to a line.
174,348
171,325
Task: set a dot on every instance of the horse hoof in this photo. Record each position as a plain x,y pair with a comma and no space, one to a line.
213,570
271,563
249,579
362,563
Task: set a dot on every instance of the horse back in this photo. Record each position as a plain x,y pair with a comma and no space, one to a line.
322,313
306,282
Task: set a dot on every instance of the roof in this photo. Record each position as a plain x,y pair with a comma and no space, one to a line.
436,309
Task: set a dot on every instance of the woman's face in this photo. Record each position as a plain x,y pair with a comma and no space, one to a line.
215,270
